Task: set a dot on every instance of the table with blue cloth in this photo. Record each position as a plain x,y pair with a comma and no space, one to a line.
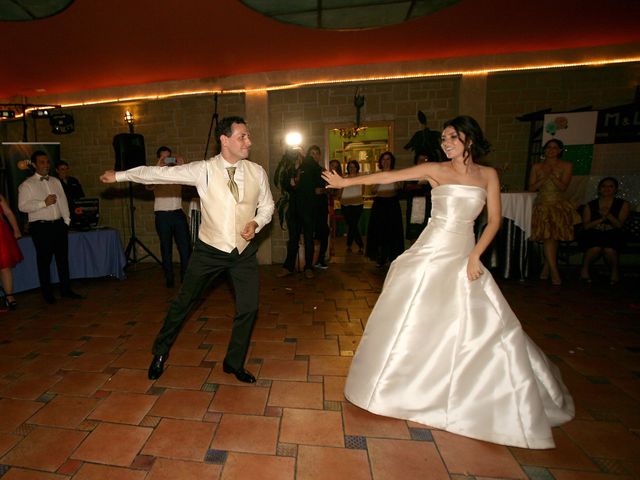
92,254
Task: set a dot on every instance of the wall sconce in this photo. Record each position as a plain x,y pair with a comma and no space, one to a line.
350,132
128,119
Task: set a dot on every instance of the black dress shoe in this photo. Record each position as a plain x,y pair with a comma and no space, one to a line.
72,294
241,374
157,366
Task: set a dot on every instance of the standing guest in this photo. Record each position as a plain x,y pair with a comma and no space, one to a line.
334,199
293,218
42,198
10,254
71,185
352,204
442,347
321,230
385,236
603,219
171,222
418,201
308,182
236,204
335,166
552,216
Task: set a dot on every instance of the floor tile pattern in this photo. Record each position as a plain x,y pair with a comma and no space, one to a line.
76,403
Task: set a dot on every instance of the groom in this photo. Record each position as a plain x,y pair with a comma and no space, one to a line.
236,204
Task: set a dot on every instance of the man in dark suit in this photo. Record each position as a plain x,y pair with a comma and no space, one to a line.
321,211
308,183
71,185
236,203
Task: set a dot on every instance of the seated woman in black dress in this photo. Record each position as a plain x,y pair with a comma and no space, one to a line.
602,219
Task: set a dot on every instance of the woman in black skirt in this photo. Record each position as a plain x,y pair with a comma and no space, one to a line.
385,235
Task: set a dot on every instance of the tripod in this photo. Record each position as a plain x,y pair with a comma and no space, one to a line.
130,251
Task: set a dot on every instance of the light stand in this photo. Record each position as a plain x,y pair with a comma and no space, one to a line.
214,122
130,252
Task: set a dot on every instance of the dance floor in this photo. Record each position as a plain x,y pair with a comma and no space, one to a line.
75,401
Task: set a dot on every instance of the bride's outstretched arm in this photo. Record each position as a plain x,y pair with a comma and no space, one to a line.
412,173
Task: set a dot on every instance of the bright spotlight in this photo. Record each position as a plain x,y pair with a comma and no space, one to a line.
293,139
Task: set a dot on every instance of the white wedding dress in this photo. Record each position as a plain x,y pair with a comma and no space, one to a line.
449,353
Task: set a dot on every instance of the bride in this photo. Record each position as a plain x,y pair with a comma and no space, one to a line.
442,347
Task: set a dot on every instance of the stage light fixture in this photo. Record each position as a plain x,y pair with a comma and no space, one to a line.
7,114
61,123
42,113
128,118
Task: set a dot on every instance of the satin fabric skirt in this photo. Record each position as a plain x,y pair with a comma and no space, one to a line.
450,353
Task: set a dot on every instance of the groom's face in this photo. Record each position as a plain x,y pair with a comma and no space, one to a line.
236,146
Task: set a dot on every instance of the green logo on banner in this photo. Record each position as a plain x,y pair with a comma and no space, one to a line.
581,156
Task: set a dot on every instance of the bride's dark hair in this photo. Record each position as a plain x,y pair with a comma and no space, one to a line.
475,144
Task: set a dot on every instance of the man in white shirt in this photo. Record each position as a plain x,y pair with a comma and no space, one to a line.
171,222
236,204
42,197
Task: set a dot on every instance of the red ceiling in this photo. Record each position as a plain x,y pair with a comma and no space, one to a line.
95,43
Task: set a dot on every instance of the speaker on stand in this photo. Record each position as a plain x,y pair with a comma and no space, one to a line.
130,153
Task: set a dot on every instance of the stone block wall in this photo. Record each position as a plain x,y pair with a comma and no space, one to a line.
510,95
182,123
313,111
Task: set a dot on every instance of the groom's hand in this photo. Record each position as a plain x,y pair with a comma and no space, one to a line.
249,230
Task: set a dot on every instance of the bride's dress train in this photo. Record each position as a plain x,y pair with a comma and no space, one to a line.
450,353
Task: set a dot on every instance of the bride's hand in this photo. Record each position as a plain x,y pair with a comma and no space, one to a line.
333,179
474,268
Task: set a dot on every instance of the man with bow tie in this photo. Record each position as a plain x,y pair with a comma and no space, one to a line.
42,198
236,204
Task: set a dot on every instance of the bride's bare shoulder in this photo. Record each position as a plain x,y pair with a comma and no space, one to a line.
487,171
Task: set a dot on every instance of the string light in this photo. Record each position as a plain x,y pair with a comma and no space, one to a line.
372,78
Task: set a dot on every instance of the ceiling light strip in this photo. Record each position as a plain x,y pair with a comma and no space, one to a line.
404,76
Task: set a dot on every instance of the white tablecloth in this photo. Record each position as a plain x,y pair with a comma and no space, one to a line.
517,206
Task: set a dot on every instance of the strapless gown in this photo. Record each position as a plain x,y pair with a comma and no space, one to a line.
449,353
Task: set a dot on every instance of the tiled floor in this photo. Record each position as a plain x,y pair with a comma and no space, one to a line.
75,401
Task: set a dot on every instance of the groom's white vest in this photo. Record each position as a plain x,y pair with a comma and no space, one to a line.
222,218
